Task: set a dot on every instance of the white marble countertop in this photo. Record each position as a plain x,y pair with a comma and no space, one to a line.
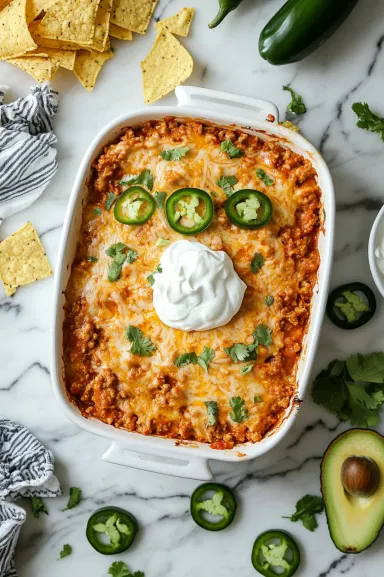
348,68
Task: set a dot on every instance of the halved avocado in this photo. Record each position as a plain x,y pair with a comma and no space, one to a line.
352,484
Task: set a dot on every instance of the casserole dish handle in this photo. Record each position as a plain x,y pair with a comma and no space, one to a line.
227,103
190,468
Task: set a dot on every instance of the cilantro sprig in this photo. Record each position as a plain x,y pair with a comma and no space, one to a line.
74,498
232,150
110,200
66,550
227,183
353,390
239,412
120,254
120,569
306,509
174,153
192,358
257,262
296,106
212,411
367,119
151,277
38,507
160,199
268,181
142,346
145,178
240,352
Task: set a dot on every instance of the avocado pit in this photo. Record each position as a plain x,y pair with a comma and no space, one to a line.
360,476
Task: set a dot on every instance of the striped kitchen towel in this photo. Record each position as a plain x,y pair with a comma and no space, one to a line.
26,470
27,157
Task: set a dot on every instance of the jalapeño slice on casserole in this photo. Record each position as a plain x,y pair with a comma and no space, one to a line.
347,309
213,506
189,210
111,530
134,206
248,208
275,553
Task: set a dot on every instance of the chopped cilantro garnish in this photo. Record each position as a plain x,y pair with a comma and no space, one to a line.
66,550
205,358
245,369
257,262
367,119
141,345
212,411
306,508
160,198
174,153
151,277
269,300
145,178
296,106
257,399
264,177
226,183
97,211
263,335
110,200
239,410
38,507
232,151
91,259
239,352
186,359
74,498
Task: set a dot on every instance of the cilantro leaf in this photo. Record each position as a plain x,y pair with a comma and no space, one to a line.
120,569
66,550
245,369
160,199
232,151
186,359
212,411
38,507
74,498
114,271
239,410
114,249
269,300
141,345
205,358
131,255
174,153
306,508
296,106
226,183
151,277
240,352
366,367
257,399
145,178
257,262
97,211
264,177
91,259
263,335
367,119
110,200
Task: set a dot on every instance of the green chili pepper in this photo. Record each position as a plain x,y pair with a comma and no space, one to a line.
275,553
248,208
182,210
111,530
221,505
347,309
225,7
134,206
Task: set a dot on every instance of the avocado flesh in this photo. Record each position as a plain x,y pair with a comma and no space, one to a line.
354,522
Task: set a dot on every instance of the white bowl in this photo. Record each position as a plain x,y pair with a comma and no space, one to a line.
375,238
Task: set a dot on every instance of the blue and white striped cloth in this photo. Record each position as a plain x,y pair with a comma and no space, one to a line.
26,470
27,157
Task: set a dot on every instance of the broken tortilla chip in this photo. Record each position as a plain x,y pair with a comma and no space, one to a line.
36,7
167,65
58,58
100,37
88,65
119,32
15,39
178,24
134,15
70,21
290,125
22,259
37,66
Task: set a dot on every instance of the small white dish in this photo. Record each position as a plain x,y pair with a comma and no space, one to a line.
375,240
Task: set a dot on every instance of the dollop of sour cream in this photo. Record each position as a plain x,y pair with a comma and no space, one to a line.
198,288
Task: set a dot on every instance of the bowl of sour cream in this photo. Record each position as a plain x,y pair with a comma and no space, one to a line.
376,251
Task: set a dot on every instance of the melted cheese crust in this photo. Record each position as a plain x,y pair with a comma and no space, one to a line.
151,395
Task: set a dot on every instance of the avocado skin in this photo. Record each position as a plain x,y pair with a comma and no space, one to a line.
300,27
351,433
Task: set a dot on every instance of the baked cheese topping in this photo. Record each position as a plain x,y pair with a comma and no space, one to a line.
224,385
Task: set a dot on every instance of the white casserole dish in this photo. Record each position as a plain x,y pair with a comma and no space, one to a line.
190,459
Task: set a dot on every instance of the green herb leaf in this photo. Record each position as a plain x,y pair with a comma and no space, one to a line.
186,359
120,569
306,508
145,178
296,106
97,211
232,151
264,177
114,249
212,411
239,410
110,200
38,507
240,352
367,119
74,498
91,259
257,262
160,199
263,335
245,369
66,550
151,277
205,358
174,153
141,345
269,300
131,255
366,367
226,183
257,399
114,271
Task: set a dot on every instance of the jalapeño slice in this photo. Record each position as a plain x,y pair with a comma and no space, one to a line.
213,506
111,530
189,210
134,206
275,553
347,309
248,208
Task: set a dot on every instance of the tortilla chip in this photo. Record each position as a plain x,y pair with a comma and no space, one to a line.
88,65
15,39
22,259
134,15
290,125
36,7
167,65
4,3
37,66
103,14
119,32
178,24
58,58
70,21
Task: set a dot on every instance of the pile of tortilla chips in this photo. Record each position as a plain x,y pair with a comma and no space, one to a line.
40,36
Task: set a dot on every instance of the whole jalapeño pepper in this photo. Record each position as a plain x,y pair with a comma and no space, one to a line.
225,7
